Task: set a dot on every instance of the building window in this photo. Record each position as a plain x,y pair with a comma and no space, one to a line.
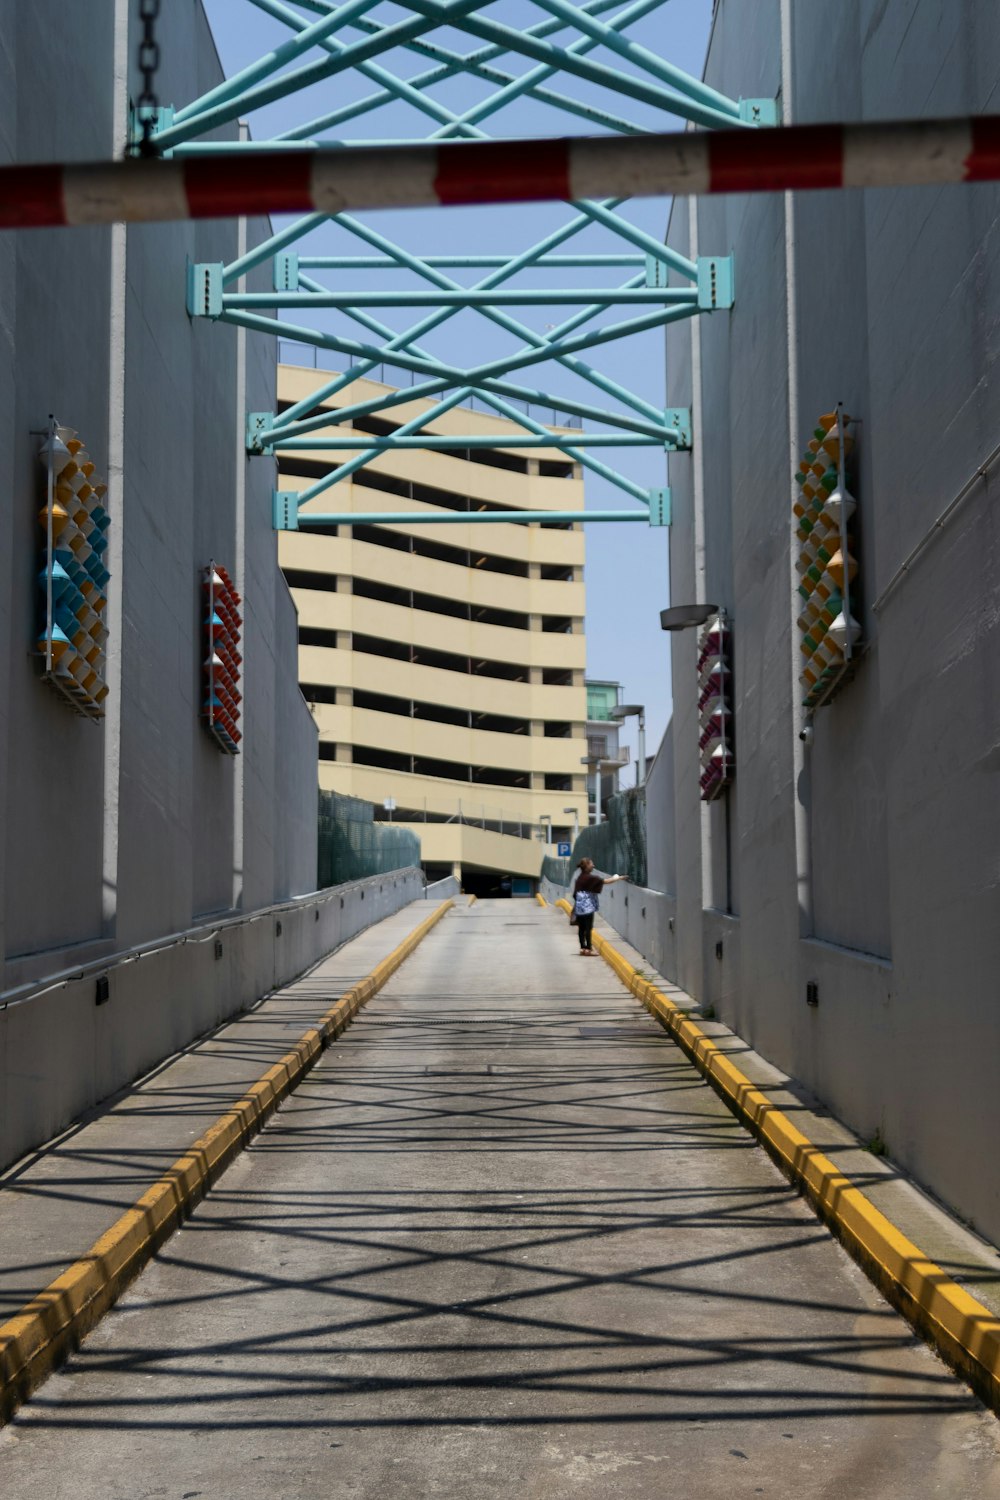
494,458
438,714
493,776
487,562
508,619
438,605
500,724
309,636
299,578
381,536
385,593
425,656
372,645
381,703
385,760
318,692
444,770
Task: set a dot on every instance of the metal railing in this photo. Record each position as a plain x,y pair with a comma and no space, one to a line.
613,755
475,815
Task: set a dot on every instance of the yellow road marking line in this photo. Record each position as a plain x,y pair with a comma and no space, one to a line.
965,1333
54,1322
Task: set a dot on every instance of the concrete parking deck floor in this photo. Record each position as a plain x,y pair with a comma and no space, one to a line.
503,1241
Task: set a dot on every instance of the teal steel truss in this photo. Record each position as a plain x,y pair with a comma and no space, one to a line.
574,60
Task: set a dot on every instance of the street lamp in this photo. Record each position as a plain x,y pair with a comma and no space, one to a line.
629,711
576,821
683,616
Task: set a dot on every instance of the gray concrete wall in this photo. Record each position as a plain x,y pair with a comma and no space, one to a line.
867,860
61,1053
645,918
116,833
661,850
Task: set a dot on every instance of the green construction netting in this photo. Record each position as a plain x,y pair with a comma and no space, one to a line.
618,845
352,845
556,870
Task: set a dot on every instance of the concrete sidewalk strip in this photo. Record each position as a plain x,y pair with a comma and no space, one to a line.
34,1340
963,1330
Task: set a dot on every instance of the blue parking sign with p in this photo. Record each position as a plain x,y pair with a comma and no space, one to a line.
564,850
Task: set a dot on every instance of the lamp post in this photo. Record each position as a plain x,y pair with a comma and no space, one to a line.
576,821
593,763
628,711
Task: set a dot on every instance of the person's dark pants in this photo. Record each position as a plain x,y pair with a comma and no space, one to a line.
585,929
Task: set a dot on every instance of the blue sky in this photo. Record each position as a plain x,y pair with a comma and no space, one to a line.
626,565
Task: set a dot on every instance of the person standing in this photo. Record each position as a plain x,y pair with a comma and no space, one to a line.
587,890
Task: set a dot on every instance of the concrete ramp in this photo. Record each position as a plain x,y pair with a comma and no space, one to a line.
503,1241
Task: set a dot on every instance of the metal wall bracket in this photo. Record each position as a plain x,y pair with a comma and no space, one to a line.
286,271
658,272
286,510
715,282
660,510
162,118
679,417
204,290
258,423
715,279
760,111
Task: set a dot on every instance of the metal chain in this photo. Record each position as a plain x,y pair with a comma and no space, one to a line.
149,62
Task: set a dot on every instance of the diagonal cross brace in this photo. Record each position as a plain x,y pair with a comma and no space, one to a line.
652,81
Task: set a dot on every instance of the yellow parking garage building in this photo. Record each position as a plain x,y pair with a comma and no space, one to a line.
445,663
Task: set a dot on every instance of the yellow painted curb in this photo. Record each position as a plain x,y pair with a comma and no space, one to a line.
54,1322
473,900
966,1333
540,899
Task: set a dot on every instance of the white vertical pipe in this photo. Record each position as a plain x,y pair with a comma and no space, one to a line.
697,445
114,556
698,530
240,556
800,759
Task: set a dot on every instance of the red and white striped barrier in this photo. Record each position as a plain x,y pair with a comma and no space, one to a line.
328,180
